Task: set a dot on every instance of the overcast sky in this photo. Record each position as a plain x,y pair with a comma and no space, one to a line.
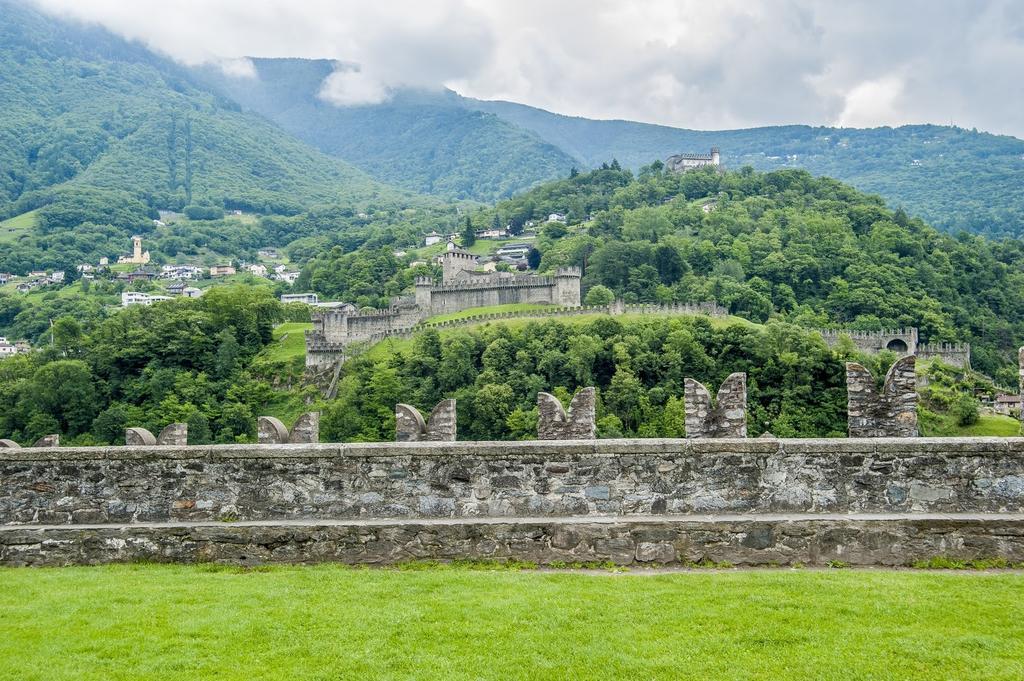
687,63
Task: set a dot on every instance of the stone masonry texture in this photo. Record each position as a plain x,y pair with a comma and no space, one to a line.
883,501
744,541
270,431
891,413
554,423
440,427
306,429
498,479
727,418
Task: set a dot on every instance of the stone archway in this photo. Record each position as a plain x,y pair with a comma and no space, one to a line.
897,345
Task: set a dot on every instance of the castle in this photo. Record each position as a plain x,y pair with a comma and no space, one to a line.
462,288
903,342
683,162
138,257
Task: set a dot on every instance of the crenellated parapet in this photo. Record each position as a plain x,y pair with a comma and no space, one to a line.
889,413
579,423
410,426
176,434
271,431
727,417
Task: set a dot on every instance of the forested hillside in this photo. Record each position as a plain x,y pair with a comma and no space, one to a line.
953,178
418,140
812,249
83,108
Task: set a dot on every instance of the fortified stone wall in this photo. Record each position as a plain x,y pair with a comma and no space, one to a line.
493,479
953,354
900,341
864,501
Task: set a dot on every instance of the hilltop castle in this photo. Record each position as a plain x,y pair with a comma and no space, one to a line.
461,288
683,162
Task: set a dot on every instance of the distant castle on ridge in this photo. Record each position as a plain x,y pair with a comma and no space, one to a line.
683,162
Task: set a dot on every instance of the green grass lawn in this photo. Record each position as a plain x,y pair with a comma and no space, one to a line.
491,309
289,342
945,425
12,228
329,622
995,425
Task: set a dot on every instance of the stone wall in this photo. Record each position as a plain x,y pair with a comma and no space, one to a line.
865,501
741,541
494,479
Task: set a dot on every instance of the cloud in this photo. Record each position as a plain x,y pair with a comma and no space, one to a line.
687,63
349,85
871,101
237,67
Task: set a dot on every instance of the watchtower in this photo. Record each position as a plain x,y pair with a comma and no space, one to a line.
454,262
423,287
567,286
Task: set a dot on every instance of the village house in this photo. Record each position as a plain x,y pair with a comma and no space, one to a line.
269,253
287,277
7,348
5,277
1006,404
492,233
181,272
257,270
221,270
432,238
557,217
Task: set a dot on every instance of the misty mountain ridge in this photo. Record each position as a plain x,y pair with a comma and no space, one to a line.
443,143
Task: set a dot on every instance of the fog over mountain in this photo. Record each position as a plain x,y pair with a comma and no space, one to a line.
681,63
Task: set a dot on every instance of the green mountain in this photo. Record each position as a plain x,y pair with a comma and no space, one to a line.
954,178
84,108
453,146
427,142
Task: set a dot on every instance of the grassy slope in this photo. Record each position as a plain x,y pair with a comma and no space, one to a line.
12,228
171,622
289,342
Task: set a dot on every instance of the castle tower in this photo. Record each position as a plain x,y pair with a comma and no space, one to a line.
454,262
137,248
716,157
423,286
567,287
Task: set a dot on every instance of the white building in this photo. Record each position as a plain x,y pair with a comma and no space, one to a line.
432,238
557,217
307,298
513,250
129,298
257,270
288,277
